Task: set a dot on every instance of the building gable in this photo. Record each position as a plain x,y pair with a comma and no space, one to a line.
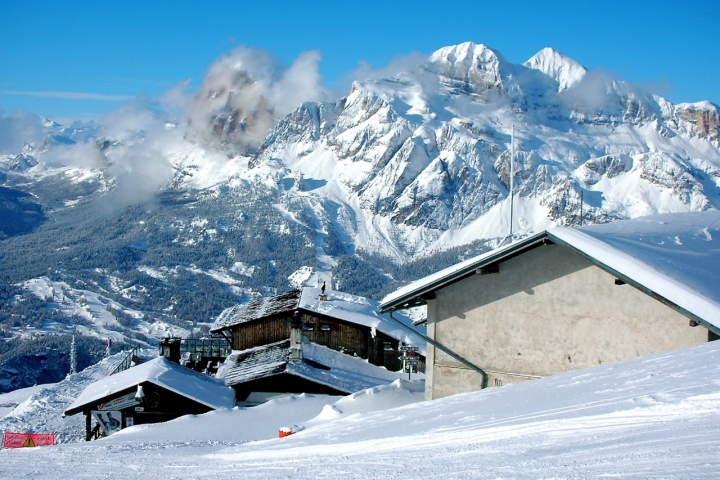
544,312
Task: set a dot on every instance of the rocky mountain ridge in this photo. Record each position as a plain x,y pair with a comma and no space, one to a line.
171,220
428,150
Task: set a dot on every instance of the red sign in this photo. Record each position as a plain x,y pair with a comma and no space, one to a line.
21,440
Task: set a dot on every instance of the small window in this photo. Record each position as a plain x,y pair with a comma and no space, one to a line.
387,346
308,327
325,327
498,382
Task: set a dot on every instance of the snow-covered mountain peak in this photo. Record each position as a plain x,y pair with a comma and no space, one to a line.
566,71
470,67
466,54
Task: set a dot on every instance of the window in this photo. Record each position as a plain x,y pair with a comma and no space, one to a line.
325,327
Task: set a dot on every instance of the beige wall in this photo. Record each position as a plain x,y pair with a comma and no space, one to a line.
547,311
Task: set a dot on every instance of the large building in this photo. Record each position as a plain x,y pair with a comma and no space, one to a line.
314,342
570,298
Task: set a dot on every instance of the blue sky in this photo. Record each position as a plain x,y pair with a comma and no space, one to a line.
104,52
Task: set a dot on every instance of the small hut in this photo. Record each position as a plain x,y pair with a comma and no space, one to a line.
156,391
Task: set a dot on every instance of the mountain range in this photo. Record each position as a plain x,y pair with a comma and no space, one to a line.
172,217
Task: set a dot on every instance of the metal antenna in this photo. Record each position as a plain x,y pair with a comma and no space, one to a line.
512,175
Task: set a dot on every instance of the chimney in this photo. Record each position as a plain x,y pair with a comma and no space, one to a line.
296,338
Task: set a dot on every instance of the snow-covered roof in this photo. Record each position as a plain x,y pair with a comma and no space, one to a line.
675,256
257,362
412,293
346,373
202,388
339,305
256,309
360,311
320,364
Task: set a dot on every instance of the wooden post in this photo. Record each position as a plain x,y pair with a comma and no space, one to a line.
87,425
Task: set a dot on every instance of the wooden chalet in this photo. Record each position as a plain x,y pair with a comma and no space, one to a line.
301,341
342,322
260,373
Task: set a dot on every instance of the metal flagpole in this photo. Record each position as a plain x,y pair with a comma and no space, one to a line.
512,174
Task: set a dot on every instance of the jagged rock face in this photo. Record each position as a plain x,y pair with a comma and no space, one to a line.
421,161
23,162
704,116
436,158
236,116
566,71
469,68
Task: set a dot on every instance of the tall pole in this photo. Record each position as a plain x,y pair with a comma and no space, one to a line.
512,175
73,353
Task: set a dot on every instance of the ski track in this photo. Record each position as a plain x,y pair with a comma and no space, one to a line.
655,417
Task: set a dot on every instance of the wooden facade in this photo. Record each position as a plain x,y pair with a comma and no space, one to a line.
285,383
352,339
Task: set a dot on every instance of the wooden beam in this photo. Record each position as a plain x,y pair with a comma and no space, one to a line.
488,269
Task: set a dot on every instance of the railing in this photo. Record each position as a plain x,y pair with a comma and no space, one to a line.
127,361
173,348
96,433
217,347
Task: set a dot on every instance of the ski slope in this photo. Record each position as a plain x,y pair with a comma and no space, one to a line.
652,417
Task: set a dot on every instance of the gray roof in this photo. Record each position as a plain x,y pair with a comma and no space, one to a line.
320,364
256,309
258,362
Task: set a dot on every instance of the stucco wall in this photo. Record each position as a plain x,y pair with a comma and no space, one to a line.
547,311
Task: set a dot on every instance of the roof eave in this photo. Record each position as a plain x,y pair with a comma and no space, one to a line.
422,294
630,281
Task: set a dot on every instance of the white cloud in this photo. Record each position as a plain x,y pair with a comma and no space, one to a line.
245,93
69,95
17,129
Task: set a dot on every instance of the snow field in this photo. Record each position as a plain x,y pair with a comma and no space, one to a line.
652,417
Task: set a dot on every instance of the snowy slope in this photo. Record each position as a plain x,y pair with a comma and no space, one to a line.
10,400
404,165
653,417
42,411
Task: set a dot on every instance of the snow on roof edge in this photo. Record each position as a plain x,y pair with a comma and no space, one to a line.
148,372
447,275
606,256
639,272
